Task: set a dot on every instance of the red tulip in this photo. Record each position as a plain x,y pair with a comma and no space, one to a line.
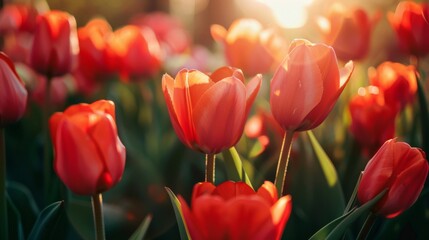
137,51
398,168
348,31
235,211
248,46
307,85
372,120
410,22
17,17
13,95
208,112
55,44
397,81
89,156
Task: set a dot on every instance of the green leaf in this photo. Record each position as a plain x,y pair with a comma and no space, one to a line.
234,166
47,223
142,229
327,229
14,221
184,234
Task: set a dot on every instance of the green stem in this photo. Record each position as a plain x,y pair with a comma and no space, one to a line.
366,228
97,210
283,162
3,204
46,146
210,168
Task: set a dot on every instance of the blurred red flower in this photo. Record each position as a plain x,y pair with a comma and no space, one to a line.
89,156
235,211
398,168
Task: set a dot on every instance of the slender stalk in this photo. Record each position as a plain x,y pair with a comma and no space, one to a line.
210,167
283,163
3,202
97,211
366,228
46,146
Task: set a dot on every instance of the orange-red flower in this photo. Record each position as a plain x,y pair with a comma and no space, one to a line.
397,81
13,95
208,112
137,51
372,120
410,22
398,168
348,31
235,211
307,85
89,156
250,47
55,44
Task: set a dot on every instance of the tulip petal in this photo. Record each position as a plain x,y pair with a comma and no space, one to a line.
218,32
225,72
252,89
220,109
280,212
76,160
229,190
209,214
191,224
268,191
202,188
105,106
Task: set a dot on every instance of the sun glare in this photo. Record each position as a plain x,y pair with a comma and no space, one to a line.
289,13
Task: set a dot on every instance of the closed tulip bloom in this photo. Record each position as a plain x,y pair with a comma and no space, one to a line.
306,85
398,168
372,120
397,81
208,112
410,22
13,95
248,46
235,211
89,156
55,44
348,31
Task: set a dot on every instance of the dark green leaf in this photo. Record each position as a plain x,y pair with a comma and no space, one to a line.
142,229
46,226
14,221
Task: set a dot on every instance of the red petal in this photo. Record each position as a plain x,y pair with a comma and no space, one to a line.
202,188
209,213
280,212
105,106
269,192
229,190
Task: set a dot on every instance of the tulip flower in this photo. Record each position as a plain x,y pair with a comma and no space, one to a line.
410,22
372,120
348,31
55,44
235,211
397,81
13,95
208,112
399,169
89,156
248,46
137,52
307,85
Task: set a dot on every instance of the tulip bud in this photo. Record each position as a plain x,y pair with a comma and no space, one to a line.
89,156
55,44
399,169
235,211
13,95
307,85
208,113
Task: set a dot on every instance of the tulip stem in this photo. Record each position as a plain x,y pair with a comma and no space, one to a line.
97,210
3,201
210,167
46,146
283,162
366,228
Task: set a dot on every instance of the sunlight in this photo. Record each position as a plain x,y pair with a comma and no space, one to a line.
289,14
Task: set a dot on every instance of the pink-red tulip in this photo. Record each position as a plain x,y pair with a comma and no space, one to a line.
348,31
17,17
307,85
208,112
13,95
372,120
235,211
410,22
89,156
398,168
55,44
250,47
397,81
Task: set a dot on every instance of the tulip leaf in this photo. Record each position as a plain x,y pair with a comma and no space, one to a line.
184,234
327,229
46,226
16,230
142,229
234,166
